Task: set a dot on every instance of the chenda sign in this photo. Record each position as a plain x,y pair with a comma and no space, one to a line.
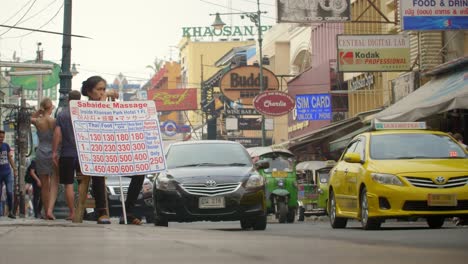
226,31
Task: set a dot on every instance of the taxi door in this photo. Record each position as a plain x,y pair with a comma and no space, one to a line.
340,177
355,171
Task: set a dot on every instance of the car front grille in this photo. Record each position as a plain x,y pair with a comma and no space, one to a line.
202,189
422,206
428,183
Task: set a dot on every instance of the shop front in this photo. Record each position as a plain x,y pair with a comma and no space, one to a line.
442,102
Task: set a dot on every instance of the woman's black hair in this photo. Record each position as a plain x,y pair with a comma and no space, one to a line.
90,83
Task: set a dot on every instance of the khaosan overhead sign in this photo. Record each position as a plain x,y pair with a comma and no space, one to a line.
313,107
434,14
30,83
174,99
226,31
243,83
371,53
306,11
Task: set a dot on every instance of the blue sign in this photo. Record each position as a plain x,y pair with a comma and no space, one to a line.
434,14
171,128
313,107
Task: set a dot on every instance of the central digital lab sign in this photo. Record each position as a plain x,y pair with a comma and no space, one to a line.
310,107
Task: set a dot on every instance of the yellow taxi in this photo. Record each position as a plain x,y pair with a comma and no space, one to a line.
399,170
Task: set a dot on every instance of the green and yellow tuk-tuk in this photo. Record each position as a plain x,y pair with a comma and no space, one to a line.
312,187
280,176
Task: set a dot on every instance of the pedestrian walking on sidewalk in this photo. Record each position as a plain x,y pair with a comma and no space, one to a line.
45,124
7,164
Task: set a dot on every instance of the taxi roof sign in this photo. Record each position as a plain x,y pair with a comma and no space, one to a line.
399,125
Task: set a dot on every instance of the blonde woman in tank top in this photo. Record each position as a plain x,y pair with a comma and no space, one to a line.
45,125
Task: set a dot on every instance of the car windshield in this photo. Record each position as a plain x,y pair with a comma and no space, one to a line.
323,175
212,154
280,164
414,146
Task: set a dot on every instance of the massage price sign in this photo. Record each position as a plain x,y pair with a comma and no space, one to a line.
117,138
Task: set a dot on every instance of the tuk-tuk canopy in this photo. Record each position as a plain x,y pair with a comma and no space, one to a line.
314,165
260,151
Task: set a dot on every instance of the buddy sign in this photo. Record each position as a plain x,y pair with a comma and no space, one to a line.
273,103
244,83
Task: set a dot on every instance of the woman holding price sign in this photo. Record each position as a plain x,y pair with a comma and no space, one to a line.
95,89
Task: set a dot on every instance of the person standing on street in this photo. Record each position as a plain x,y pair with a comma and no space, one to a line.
6,164
33,179
95,89
45,125
134,189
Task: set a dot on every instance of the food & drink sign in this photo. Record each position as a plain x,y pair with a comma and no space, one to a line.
117,138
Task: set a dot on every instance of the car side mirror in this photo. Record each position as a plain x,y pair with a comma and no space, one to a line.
262,164
352,157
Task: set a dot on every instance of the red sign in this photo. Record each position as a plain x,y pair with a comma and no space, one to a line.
273,103
174,99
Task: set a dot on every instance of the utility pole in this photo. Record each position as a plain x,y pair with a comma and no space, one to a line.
39,59
24,125
65,74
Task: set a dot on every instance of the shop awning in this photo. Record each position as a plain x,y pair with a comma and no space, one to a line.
444,93
343,141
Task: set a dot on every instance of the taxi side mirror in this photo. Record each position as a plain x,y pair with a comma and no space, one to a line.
262,164
352,157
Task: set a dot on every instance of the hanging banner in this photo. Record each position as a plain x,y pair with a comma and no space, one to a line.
434,14
372,53
174,99
306,11
117,138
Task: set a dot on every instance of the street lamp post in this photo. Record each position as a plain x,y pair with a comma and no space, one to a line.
255,17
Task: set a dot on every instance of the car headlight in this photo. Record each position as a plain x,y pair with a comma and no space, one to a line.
163,182
255,181
281,183
383,178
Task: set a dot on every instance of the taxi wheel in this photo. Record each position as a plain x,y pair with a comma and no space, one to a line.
435,222
366,222
336,222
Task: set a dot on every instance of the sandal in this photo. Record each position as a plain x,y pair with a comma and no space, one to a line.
131,220
104,220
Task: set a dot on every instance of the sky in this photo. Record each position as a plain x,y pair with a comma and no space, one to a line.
125,36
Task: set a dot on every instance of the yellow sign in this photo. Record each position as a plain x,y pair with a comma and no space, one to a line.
279,174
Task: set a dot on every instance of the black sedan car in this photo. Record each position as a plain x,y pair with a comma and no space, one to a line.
210,180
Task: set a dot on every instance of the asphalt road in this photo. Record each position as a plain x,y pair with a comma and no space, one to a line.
58,242
411,234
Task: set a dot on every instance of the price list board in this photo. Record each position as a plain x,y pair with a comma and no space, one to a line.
117,138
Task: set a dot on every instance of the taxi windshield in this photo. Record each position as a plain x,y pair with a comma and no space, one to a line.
279,164
414,146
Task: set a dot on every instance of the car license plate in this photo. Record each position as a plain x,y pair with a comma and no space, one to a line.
279,174
442,200
211,202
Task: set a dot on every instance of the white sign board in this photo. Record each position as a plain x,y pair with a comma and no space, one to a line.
117,138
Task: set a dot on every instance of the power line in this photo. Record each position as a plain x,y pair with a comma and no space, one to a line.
17,12
45,24
44,31
17,22
40,11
